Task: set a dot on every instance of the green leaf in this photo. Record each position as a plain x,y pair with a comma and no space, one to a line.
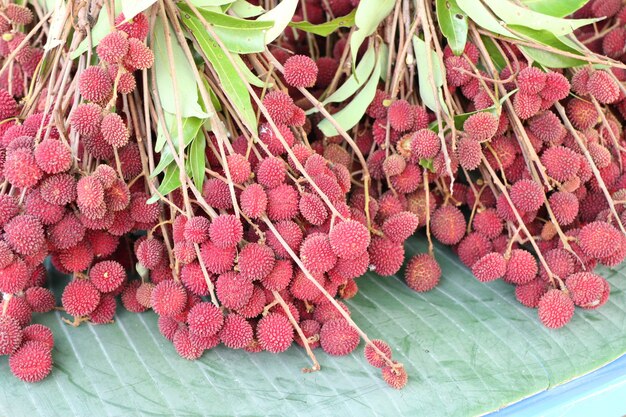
513,14
196,162
171,181
427,163
232,85
453,24
132,8
423,72
210,3
280,15
555,8
214,100
549,59
350,115
352,84
483,17
249,75
191,125
326,28
190,130
369,14
246,10
185,80
494,53
98,31
469,348
239,35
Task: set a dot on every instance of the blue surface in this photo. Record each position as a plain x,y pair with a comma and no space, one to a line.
601,393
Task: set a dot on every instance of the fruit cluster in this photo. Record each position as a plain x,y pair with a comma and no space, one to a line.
526,185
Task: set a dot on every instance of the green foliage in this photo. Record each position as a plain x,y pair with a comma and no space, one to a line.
185,80
350,115
453,24
171,182
546,58
196,162
483,17
494,53
326,28
238,35
424,72
280,15
369,14
554,8
245,10
131,8
232,85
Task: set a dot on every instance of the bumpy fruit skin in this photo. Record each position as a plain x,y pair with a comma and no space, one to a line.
349,239
586,289
114,130
205,319
597,239
531,80
521,267
386,256
256,261
237,333
300,71
490,267
95,84
38,333
53,156
107,276
233,290
469,153
317,254
372,357
32,362
422,273
113,47
602,87
24,234
448,225
530,293
278,105
168,298
184,346
338,338
137,27
80,298
401,115
395,377
527,195
555,309
274,333
481,126
10,335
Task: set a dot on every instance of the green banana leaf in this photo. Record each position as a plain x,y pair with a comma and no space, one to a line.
469,348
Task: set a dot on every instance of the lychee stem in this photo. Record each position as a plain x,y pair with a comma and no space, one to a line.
316,366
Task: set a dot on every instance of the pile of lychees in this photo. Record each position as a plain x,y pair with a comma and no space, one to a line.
531,189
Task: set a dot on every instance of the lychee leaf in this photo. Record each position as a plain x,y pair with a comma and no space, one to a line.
132,8
170,182
246,10
232,85
554,8
512,14
350,115
326,28
369,14
496,56
453,24
483,17
196,161
280,16
238,35
427,163
425,71
547,58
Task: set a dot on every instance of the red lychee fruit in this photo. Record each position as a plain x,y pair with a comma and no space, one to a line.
184,346
89,192
338,337
488,223
10,335
256,261
53,156
217,260
239,168
422,273
521,267
114,130
531,80
424,144
150,252
586,289
556,89
24,233
279,105
107,276
400,226
527,195
80,297
253,201
530,293
372,357
21,169
565,207
236,333
555,309
490,267
349,239
32,362
137,27
317,253
271,172
113,47
469,153
274,333
448,225
233,290
526,105
205,319
282,202
197,229
129,297
300,71
95,84
139,56
582,114
38,333
401,115
597,239
602,87
104,313
473,247
561,163
290,232
168,298
458,71
395,377
40,300
386,256
481,126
